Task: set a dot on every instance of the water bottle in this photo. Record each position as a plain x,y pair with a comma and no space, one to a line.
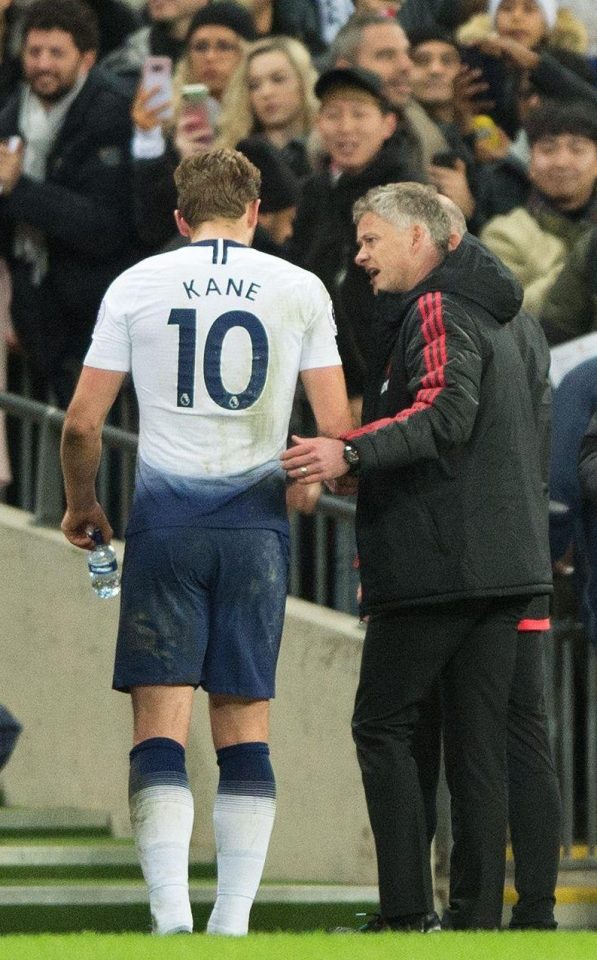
103,567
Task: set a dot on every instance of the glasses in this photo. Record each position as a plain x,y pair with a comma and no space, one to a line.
219,46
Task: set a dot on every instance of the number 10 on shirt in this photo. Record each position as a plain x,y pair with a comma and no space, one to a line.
186,320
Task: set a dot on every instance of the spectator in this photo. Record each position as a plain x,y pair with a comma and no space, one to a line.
65,189
380,44
215,46
271,94
534,240
356,124
445,91
525,35
164,36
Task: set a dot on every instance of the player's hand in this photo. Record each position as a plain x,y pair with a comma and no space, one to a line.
145,117
314,459
78,525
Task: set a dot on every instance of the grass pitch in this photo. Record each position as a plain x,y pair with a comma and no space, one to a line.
306,946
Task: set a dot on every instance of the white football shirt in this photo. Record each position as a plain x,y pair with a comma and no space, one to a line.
215,335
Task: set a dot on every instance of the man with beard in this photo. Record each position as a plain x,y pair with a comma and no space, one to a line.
64,188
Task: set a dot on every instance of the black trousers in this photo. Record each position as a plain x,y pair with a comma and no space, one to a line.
472,646
534,805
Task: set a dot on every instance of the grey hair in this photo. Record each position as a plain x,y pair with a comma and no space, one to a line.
455,214
347,41
406,204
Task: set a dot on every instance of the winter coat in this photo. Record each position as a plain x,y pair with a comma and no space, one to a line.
451,501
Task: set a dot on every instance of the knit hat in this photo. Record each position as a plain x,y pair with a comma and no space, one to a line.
279,185
224,14
549,9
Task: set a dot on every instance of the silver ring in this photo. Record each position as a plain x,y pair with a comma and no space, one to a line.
304,471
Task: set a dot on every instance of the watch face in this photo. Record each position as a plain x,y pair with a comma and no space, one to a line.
350,454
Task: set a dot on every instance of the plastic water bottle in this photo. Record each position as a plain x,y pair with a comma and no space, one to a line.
103,568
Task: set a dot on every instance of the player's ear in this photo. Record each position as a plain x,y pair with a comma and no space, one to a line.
182,225
253,213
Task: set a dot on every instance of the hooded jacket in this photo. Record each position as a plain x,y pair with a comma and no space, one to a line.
451,502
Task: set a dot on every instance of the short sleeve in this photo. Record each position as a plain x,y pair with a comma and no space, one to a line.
111,344
319,343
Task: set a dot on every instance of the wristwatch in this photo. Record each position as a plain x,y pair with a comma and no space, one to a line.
351,457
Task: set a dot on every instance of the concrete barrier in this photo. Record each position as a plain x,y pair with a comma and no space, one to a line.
57,642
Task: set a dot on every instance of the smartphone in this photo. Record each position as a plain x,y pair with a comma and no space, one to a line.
493,70
197,112
157,72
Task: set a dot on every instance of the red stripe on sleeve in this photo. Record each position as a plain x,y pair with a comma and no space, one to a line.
435,355
525,626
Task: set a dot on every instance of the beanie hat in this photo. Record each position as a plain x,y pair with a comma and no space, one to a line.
224,14
279,185
549,8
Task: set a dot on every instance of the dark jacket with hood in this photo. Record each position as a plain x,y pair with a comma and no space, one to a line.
451,502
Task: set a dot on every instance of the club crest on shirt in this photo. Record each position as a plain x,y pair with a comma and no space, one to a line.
184,400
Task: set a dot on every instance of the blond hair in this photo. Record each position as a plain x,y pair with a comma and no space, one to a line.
216,185
237,119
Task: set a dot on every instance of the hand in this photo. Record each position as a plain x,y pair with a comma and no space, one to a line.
192,138
145,117
11,167
303,499
453,184
314,459
468,84
78,524
508,49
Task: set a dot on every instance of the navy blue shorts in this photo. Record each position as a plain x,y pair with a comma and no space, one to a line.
203,607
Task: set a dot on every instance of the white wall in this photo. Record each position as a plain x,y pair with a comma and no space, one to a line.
57,643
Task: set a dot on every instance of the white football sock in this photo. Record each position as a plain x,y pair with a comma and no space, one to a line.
162,822
243,825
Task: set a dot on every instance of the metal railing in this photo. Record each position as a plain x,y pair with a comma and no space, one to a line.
322,555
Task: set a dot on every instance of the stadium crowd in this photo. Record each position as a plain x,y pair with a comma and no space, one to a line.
494,104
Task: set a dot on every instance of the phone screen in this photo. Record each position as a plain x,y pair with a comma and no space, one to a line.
157,73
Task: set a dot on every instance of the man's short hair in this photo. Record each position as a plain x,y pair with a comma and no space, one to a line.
555,118
406,204
216,185
72,16
431,35
346,43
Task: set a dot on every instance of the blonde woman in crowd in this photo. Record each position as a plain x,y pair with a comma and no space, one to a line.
272,94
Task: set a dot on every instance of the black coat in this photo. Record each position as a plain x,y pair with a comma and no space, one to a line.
451,501
324,241
83,209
